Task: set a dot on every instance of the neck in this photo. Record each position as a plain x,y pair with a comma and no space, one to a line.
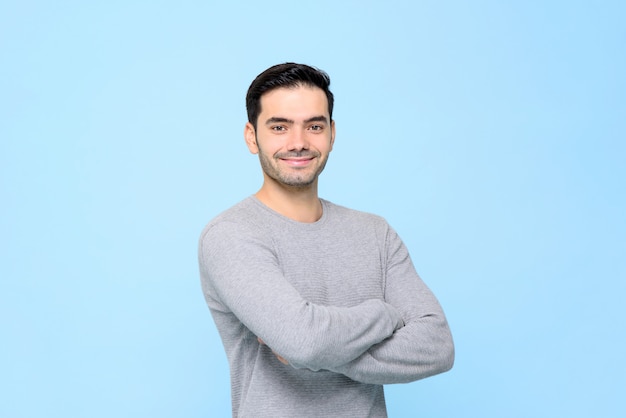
300,204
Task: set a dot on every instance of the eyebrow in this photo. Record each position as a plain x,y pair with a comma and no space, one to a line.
276,119
320,118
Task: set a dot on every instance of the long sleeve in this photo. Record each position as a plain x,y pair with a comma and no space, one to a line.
424,346
240,275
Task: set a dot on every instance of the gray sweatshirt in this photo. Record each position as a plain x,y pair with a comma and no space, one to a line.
339,299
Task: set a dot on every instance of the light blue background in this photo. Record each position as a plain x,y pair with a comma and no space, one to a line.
490,134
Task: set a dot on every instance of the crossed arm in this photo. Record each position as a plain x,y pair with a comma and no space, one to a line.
424,346
402,339
249,283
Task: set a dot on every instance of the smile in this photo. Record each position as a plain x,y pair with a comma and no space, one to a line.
297,162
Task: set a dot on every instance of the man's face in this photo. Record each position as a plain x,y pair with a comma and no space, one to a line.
294,135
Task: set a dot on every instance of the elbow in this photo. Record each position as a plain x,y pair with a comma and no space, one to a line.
443,360
440,358
446,360
437,361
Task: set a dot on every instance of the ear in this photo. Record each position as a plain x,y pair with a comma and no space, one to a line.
332,134
249,135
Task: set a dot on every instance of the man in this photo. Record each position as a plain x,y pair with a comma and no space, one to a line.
317,305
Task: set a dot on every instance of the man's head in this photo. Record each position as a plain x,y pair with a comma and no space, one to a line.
288,75
290,124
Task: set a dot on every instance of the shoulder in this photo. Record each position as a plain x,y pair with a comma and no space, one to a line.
243,218
357,223
345,214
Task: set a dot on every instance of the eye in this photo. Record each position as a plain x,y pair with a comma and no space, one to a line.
278,128
316,127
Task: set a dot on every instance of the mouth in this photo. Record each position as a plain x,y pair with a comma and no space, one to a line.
297,162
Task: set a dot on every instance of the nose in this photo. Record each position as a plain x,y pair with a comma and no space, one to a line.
297,140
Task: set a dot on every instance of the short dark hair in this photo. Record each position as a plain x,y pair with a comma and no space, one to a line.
287,75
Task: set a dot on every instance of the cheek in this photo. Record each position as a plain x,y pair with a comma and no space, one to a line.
266,155
328,147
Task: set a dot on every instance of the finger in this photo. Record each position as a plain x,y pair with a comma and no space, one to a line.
281,359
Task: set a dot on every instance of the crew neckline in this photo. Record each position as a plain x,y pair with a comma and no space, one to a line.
321,221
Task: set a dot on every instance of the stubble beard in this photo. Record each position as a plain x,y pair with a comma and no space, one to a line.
299,178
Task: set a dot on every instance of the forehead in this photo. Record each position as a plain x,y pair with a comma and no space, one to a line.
300,100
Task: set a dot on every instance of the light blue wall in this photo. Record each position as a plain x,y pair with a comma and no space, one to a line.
489,134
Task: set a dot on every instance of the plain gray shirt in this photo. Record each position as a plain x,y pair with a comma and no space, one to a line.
338,298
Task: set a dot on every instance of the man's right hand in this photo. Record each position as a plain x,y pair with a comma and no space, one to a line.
278,356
